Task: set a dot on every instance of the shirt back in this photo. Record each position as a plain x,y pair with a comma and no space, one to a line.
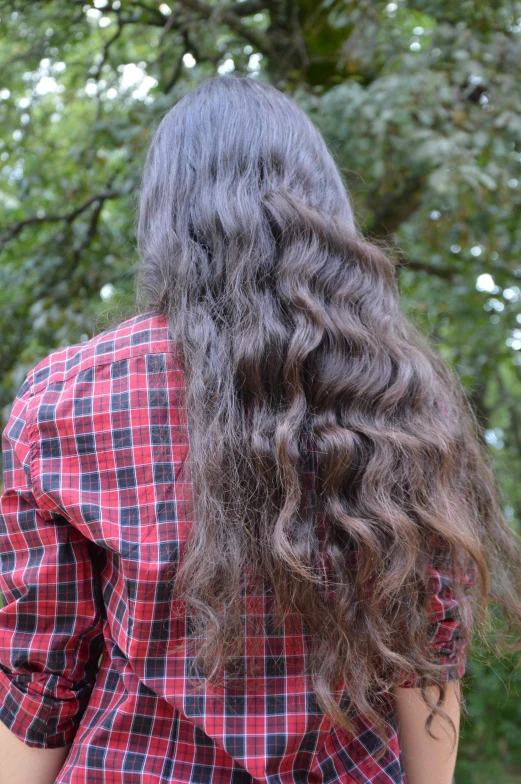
96,508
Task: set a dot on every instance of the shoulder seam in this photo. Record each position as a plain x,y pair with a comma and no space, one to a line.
32,437
100,361
121,340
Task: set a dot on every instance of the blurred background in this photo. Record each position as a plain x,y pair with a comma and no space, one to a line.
421,107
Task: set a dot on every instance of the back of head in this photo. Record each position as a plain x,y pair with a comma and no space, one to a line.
289,325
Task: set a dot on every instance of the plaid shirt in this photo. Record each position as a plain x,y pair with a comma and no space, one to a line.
96,503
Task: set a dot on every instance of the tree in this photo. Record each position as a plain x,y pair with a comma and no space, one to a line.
418,104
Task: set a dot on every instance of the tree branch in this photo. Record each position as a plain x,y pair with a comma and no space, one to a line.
228,16
514,433
166,29
177,71
67,217
107,45
396,208
90,234
249,7
151,10
432,269
449,273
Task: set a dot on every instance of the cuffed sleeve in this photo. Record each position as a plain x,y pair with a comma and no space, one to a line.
51,621
446,615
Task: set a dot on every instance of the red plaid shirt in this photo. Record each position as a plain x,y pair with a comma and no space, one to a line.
96,503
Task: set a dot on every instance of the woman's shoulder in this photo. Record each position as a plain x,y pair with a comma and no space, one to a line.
82,404
141,334
54,387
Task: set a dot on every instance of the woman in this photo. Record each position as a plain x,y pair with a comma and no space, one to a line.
262,500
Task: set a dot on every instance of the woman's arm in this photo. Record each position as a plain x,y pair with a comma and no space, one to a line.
50,640
22,764
427,761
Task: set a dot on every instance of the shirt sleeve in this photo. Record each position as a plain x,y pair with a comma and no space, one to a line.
445,616
51,620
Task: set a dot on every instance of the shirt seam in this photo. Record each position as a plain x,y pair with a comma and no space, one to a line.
99,361
33,444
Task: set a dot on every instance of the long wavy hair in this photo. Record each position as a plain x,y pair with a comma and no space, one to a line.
288,322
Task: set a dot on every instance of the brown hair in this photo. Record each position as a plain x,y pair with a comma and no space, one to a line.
290,329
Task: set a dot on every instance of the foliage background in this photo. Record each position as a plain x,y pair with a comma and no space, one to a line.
421,106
